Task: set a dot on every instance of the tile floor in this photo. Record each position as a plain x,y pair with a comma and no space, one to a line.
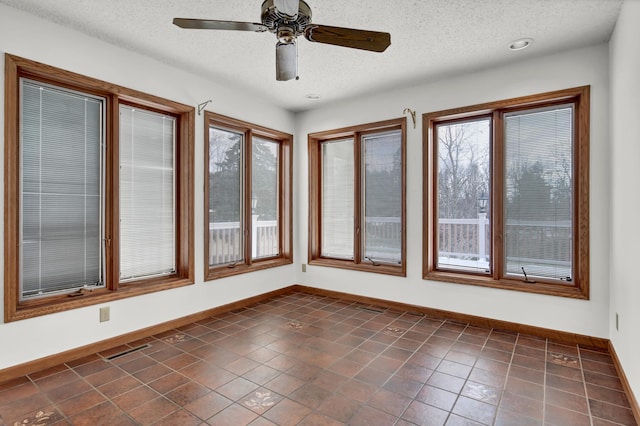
311,360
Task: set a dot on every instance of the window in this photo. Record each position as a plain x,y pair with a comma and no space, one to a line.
248,197
357,198
98,188
507,187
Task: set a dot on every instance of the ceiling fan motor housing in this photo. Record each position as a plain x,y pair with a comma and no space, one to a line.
274,20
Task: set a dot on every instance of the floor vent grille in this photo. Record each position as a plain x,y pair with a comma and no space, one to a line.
127,352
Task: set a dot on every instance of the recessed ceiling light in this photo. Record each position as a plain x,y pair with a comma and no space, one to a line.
520,44
313,96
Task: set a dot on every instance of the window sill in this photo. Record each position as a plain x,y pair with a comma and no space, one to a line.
228,271
562,290
387,269
65,302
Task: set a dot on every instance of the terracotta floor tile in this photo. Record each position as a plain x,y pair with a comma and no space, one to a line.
511,418
527,374
404,387
531,408
339,408
454,369
287,413
481,392
423,414
564,384
237,388
610,396
367,416
69,390
169,382
524,388
437,397
187,393
610,412
475,410
105,376
561,416
103,414
310,395
284,384
119,386
314,360
135,397
208,405
81,402
315,419
329,380
446,382
180,417
566,400
389,402
260,400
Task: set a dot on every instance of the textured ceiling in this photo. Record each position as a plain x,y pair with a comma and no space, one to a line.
429,39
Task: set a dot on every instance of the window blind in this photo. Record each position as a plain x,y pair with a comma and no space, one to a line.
382,195
147,194
337,199
61,190
538,196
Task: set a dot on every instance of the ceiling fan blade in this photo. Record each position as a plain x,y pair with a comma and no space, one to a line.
357,39
208,24
288,8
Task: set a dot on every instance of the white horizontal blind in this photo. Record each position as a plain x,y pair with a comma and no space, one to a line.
539,192
337,199
264,186
226,224
382,195
147,194
61,161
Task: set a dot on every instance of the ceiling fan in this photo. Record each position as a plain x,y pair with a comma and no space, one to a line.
288,19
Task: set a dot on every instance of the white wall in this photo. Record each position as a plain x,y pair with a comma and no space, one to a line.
30,37
24,35
587,66
625,196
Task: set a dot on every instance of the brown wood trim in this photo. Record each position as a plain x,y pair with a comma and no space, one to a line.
558,336
578,96
285,198
626,386
315,141
16,68
92,348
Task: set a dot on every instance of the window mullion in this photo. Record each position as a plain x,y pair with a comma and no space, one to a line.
246,197
358,198
498,182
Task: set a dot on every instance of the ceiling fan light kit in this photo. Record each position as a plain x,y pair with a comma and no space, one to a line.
289,19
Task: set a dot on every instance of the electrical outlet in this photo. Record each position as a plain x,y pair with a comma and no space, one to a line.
304,267
617,322
104,314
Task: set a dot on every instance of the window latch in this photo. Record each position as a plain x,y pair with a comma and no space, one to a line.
232,265
526,279
373,262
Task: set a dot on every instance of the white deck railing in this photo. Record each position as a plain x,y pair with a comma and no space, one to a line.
225,242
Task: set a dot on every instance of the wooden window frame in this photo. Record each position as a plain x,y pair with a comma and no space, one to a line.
285,198
315,141
15,309
579,288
